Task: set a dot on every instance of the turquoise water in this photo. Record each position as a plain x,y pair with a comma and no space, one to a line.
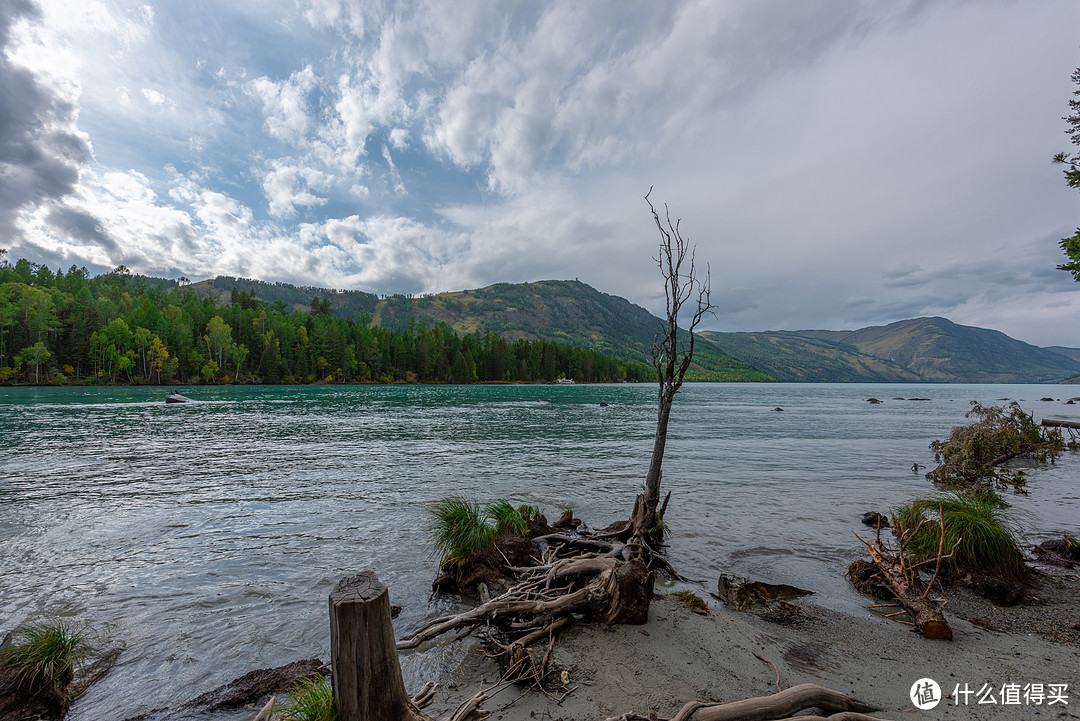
208,535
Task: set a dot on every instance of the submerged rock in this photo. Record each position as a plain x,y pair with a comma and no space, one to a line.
997,591
875,520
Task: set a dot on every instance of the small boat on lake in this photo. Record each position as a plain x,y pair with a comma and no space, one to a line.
175,397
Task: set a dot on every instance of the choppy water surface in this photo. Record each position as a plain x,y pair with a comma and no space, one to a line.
208,535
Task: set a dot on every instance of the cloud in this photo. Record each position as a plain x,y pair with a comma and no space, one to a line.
286,187
285,103
82,226
41,149
838,163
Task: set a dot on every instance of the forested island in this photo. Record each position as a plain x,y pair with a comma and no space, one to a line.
124,328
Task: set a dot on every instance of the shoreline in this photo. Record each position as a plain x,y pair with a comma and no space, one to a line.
728,655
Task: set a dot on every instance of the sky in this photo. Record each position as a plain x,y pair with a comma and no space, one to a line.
837,164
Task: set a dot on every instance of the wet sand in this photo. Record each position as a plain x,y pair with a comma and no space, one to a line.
727,655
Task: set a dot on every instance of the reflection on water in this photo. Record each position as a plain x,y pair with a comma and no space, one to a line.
209,534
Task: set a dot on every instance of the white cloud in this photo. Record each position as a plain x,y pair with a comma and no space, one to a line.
285,104
838,163
287,186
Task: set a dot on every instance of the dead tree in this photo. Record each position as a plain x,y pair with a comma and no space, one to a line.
672,353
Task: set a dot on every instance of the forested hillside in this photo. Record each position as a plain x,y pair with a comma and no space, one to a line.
123,328
566,311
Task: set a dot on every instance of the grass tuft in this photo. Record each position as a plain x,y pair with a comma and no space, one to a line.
310,699
530,513
507,518
460,529
43,655
978,519
689,599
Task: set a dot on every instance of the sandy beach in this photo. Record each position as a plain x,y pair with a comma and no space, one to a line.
726,655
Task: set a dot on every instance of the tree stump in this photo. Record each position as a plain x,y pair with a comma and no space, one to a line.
363,654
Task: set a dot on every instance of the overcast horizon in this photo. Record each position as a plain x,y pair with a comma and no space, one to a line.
839,165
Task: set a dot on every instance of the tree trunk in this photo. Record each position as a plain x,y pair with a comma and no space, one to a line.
644,522
364,664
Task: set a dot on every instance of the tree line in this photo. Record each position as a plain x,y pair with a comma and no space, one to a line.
123,328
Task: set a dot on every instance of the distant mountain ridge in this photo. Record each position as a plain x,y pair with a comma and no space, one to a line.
920,349
916,350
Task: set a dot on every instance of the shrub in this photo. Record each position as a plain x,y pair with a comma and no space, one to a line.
973,454
310,699
977,519
44,655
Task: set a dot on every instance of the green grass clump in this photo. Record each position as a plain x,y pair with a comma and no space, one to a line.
987,541
689,599
530,513
460,529
310,699
507,518
45,655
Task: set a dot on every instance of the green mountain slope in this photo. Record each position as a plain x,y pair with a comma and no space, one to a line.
345,303
793,358
564,311
936,349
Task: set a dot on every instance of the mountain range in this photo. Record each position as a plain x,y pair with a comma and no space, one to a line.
916,350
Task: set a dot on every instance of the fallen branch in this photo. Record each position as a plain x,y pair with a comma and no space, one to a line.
1051,423
782,705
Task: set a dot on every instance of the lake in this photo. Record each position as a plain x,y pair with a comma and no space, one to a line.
208,535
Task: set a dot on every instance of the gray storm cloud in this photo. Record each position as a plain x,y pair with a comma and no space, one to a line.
40,151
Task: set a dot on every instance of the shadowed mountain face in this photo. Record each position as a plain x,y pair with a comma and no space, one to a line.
930,349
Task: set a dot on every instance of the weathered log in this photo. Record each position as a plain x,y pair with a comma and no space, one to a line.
909,591
1051,423
782,705
364,664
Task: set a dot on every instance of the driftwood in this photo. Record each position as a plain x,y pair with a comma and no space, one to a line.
926,613
902,579
782,705
1051,423
618,592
